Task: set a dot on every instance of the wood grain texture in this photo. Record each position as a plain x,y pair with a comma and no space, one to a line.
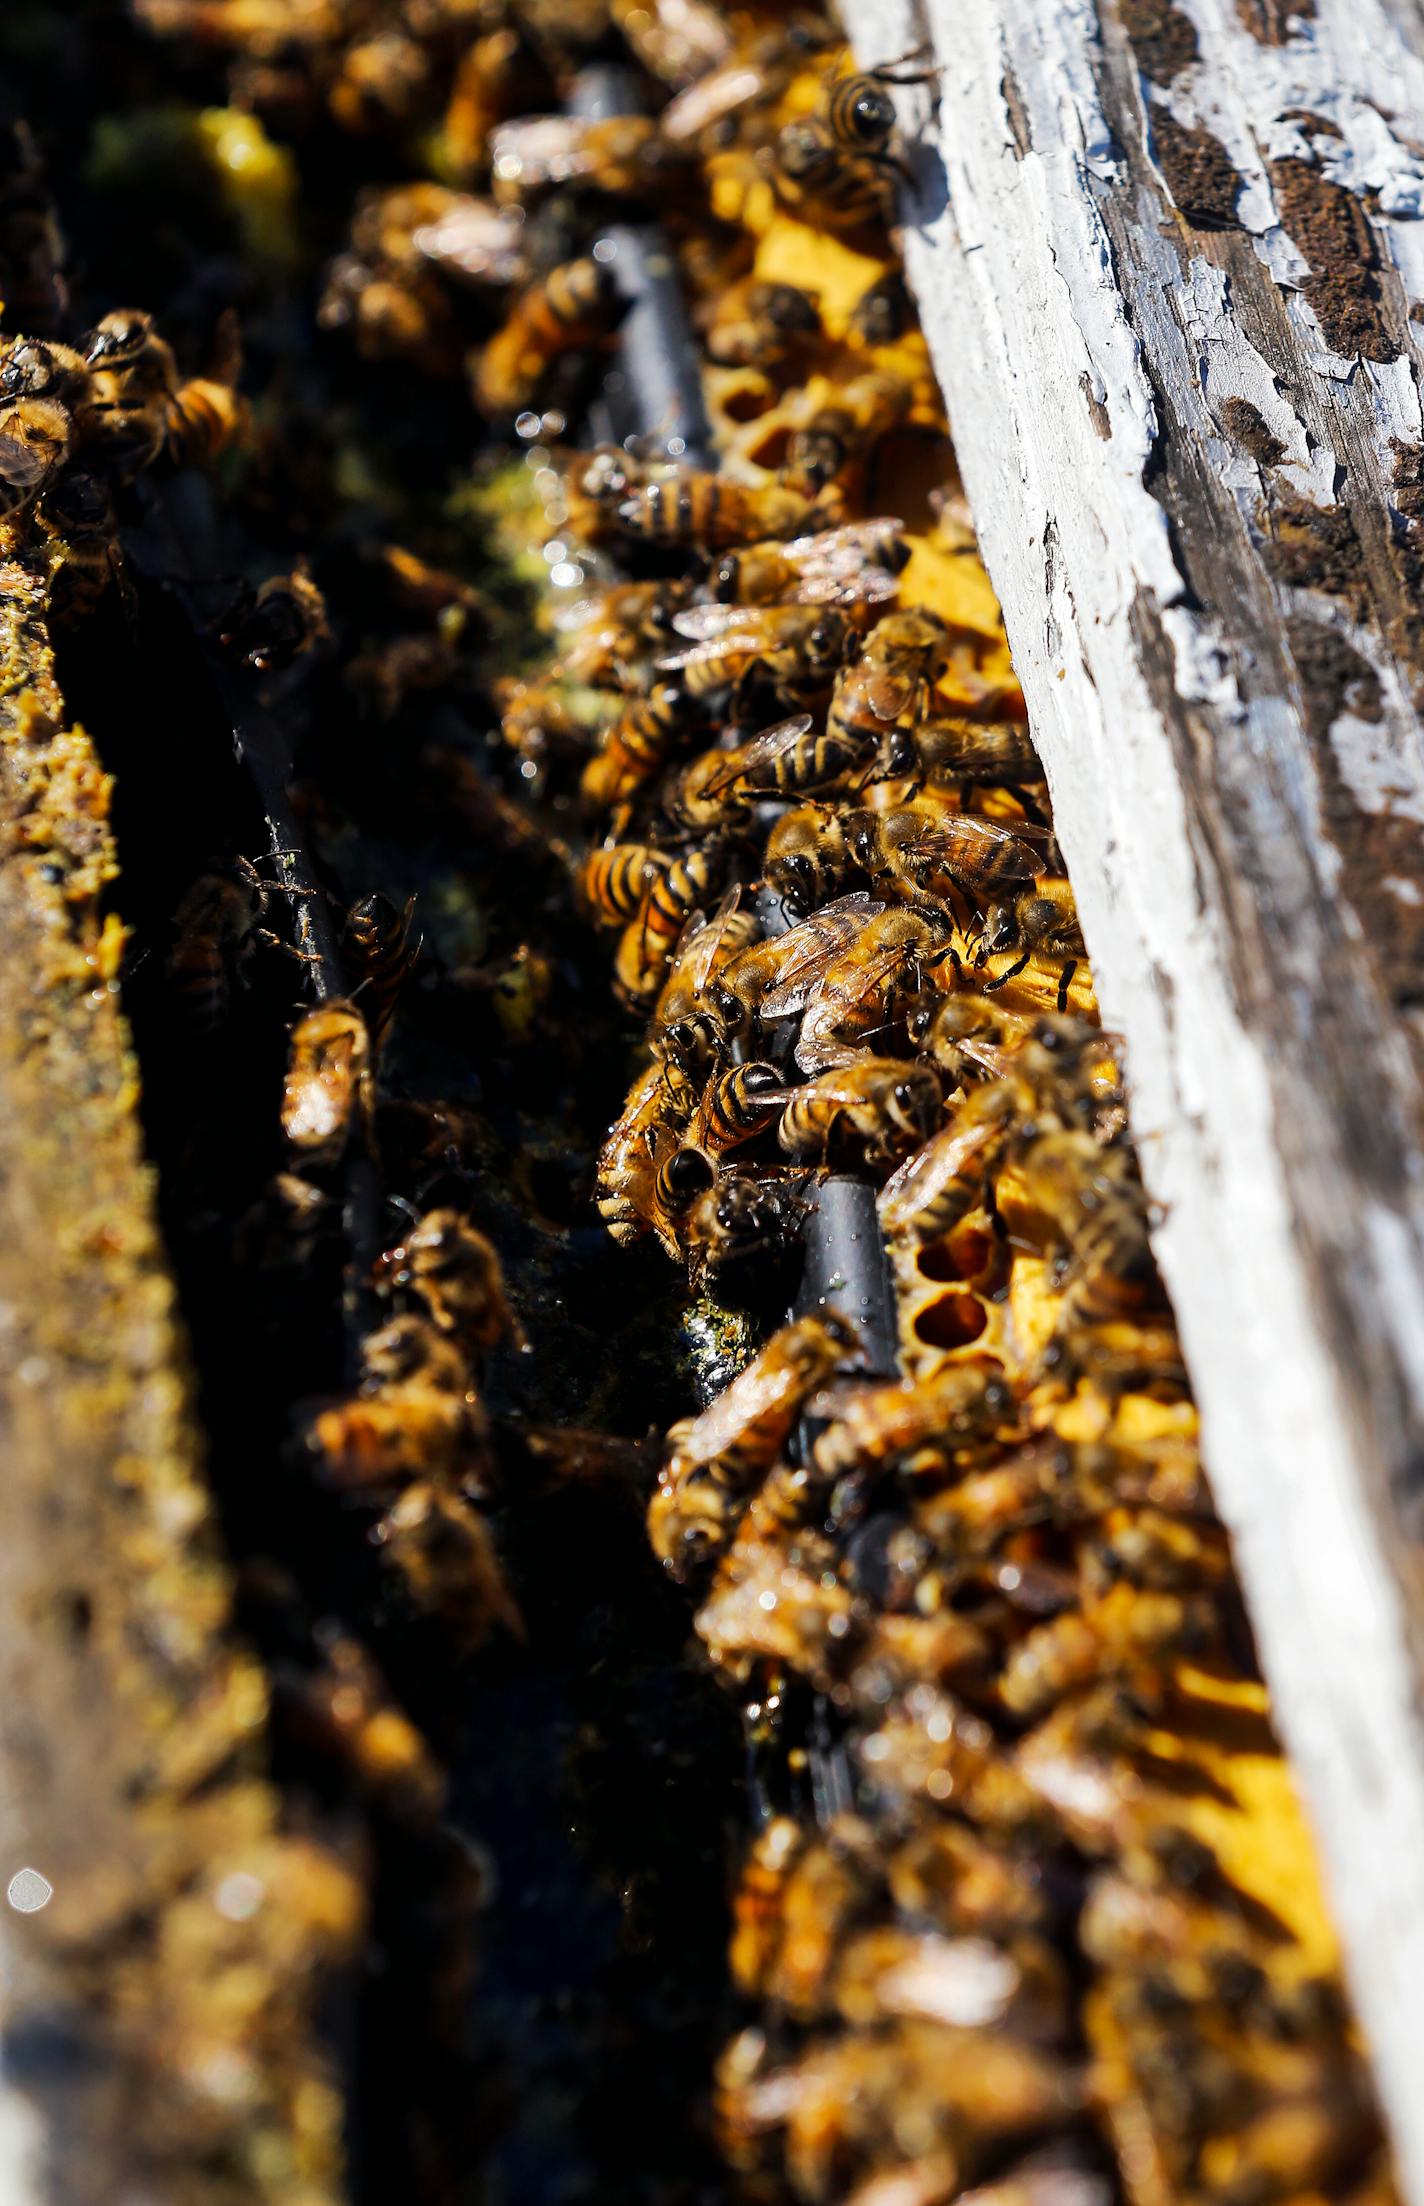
1170,258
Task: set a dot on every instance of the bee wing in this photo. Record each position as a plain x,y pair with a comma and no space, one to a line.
889,694
702,622
713,933
539,149
707,101
809,949
763,1386
929,1171
972,836
24,461
871,586
854,544
475,239
761,751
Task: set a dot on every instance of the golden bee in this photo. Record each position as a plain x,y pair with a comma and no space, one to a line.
634,749
933,1189
761,325
884,312
853,566
677,1031
378,958
786,760
440,1549
217,928
614,881
736,1105
743,1216
279,625
648,941
137,406
36,438
654,1116
713,513
572,309
873,1427
328,1089
75,516
716,1459
826,445
791,964
1039,924
454,1271
875,1107
625,157
858,996
417,1415
794,649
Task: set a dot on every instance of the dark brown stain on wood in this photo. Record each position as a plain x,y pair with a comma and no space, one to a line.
1017,113
1330,228
1407,476
1311,125
1269,21
1163,39
1199,173
1334,677
1312,547
1097,411
1247,426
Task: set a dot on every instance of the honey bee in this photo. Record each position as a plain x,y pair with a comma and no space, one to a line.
935,1188
614,630
791,963
884,313
822,184
760,325
878,1105
217,927
614,881
572,309
378,957
717,1458
455,1272
328,1089
33,292
843,428
875,1427
959,851
914,2112
888,685
1109,1632
76,517
1095,1199
36,438
712,513
1041,923
854,566
137,406
677,1032
675,40
799,1894
806,859
32,367
856,996
787,760
416,1416
278,625
441,1550
735,1107
996,753
648,941
635,748
741,1216
795,649
625,157
656,1112
382,84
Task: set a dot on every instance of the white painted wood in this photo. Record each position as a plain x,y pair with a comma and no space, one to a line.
1071,364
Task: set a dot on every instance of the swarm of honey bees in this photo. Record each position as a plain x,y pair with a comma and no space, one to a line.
1027,1915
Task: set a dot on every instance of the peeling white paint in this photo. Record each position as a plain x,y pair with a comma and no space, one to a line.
1016,324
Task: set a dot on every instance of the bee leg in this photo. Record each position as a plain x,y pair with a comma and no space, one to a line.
992,986
1065,982
270,941
916,53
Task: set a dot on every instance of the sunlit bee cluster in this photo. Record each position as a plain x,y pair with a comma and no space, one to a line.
1004,1929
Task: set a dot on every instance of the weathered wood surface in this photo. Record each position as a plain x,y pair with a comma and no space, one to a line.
1171,260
